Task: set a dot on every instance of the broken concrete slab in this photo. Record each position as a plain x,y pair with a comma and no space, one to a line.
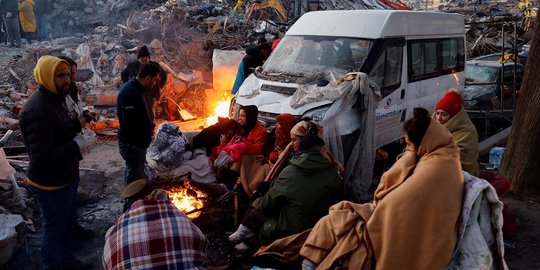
13,227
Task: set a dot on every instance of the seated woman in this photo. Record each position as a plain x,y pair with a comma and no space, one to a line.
450,113
298,198
254,169
412,221
306,127
249,141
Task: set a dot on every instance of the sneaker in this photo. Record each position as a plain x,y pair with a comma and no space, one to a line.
242,247
11,45
242,233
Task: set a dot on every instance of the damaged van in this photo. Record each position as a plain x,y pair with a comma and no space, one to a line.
359,73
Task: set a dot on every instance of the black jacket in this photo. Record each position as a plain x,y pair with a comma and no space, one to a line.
9,6
130,71
40,7
48,134
252,60
136,120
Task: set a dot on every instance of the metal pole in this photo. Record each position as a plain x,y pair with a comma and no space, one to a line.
502,70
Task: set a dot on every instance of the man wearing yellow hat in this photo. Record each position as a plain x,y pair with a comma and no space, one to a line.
54,148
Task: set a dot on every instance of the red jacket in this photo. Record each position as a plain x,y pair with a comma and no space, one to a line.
255,140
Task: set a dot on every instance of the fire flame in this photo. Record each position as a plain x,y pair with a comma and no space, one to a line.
222,110
187,199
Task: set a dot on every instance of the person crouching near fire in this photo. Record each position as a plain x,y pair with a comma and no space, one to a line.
153,234
450,113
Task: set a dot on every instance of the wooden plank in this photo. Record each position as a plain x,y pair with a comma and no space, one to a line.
485,145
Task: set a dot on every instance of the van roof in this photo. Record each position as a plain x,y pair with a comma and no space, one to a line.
374,24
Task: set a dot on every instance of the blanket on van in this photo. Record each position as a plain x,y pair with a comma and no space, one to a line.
352,91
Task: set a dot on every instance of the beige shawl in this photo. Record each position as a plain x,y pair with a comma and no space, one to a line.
412,221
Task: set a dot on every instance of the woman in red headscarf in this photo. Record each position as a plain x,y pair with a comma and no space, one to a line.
254,169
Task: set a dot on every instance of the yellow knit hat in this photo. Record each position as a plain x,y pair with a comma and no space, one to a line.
44,71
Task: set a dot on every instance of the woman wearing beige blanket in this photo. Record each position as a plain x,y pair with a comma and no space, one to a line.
411,223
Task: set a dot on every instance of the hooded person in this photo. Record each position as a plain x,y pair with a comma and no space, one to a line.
450,113
249,140
412,222
255,168
298,198
54,148
154,234
27,19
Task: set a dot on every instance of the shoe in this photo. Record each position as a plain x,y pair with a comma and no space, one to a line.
242,233
242,247
76,264
81,233
11,45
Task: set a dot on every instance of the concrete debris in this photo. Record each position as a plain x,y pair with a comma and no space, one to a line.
10,235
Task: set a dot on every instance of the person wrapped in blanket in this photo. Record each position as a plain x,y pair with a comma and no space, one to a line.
255,168
299,197
154,234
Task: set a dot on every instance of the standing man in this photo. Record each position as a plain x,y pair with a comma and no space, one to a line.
136,122
132,69
41,18
54,148
10,10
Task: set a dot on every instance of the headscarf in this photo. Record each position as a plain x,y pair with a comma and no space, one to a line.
310,128
307,127
251,112
45,69
283,135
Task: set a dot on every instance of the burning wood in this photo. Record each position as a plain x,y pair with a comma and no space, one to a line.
187,199
221,110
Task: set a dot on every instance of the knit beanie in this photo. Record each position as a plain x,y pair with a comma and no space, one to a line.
45,69
451,102
143,52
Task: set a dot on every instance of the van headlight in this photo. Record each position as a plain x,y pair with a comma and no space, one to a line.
317,114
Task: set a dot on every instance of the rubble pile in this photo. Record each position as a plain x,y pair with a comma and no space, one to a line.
485,24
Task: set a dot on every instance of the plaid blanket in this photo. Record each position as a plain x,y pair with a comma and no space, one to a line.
154,234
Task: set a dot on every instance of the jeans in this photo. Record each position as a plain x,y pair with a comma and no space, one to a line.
135,158
59,209
12,30
41,21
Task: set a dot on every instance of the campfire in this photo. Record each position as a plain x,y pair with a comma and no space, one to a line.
187,199
221,110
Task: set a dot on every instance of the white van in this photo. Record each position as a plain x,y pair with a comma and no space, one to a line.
414,57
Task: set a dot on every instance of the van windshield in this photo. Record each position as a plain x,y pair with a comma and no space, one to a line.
298,55
480,74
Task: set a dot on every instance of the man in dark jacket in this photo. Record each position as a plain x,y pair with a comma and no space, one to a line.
136,121
143,57
41,19
255,56
10,14
54,148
